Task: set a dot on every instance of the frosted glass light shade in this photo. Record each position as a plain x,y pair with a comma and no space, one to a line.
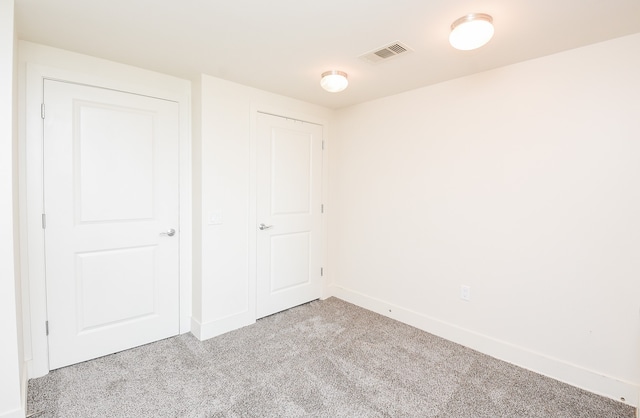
471,31
334,81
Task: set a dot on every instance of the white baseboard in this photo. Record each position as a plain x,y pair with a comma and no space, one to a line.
520,356
16,413
21,411
204,331
25,385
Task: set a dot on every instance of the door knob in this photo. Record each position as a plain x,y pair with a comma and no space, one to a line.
169,233
263,227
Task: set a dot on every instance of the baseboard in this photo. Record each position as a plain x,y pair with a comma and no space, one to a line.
16,413
520,356
25,385
22,411
210,329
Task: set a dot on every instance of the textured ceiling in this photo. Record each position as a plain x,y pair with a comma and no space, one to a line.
283,46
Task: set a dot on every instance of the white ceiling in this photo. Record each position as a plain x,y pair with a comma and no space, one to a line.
282,46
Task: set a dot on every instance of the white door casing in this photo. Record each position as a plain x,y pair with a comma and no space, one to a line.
288,212
111,190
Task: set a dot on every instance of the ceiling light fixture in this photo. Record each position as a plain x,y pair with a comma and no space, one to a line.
334,81
471,31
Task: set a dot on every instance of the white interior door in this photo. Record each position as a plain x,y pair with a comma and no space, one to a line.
289,191
111,198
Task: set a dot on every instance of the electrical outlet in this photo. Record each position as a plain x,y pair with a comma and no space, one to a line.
465,292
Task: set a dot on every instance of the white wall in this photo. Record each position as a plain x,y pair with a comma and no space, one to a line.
521,182
225,253
11,360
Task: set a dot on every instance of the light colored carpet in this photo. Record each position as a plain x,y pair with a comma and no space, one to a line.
323,359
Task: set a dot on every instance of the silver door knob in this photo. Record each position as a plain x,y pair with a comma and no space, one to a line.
169,233
263,227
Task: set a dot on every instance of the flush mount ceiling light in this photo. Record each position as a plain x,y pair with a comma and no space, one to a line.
334,81
471,31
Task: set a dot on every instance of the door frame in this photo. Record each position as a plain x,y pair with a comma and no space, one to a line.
286,113
69,67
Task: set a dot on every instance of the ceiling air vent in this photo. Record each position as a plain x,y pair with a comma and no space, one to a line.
386,52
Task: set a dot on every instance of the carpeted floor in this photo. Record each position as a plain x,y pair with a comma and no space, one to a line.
323,359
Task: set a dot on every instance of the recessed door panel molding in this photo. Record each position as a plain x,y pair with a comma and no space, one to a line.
113,157
115,286
290,260
288,211
111,193
291,171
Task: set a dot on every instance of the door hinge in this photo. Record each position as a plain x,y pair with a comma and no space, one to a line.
321,208
322,140
42,110
321,271
46,326
44,221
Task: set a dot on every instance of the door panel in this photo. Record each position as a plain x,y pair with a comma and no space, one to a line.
111,190
289,190
291,162
100,277
290,259
104,145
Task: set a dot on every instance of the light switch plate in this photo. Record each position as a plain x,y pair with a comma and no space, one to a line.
215,217
465,292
